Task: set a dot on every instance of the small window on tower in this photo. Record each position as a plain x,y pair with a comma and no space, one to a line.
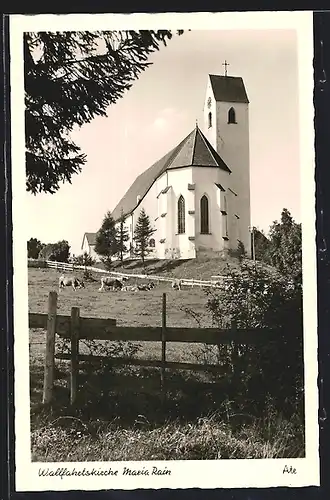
152,243
210,120
231,116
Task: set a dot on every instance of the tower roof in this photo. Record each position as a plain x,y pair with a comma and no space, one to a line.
228,88
194,151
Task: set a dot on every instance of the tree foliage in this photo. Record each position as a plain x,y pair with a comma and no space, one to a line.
106,244
58,252
70,78
84,260
254,297
34,246
142,233
123,237
261,246
241,252
285,246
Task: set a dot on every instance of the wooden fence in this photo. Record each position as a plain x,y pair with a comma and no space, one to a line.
65,266
76,327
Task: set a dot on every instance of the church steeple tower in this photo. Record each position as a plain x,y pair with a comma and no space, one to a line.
226,126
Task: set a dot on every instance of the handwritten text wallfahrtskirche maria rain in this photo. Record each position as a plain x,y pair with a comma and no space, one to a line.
126,471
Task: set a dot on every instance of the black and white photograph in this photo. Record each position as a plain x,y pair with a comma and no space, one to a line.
164,241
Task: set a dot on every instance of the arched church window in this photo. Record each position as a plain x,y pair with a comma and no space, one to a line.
231,116
181,215
152,243
210,119
205,215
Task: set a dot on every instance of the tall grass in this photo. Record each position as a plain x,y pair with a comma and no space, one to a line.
208,438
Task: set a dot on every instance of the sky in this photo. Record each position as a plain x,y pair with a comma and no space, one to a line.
161,109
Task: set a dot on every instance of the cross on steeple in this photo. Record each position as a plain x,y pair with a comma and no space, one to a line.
225,64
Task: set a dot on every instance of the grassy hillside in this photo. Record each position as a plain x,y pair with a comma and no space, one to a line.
203,267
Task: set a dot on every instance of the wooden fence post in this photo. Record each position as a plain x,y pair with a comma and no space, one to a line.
162,373
74,371
50,349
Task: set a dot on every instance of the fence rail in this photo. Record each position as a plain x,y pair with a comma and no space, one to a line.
106,329
76,328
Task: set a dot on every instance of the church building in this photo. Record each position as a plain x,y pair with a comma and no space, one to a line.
197,196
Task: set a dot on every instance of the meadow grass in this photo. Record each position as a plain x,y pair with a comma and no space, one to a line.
120,414
209,437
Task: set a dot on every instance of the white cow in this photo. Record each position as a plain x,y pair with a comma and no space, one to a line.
70,281
176,284
114,283
146,286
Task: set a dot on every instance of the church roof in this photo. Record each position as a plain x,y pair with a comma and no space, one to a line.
194,151
228,88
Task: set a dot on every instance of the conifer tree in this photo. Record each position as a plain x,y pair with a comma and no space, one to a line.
142,233
123,236
69,79
106,244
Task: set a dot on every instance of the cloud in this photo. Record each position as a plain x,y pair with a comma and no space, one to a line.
167,118
160,123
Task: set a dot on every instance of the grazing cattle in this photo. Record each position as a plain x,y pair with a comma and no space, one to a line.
146,286
176,284
114,283
129,288
70,281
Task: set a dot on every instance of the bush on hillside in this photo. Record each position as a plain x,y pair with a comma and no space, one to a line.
58,252
34,246
239,252
84,260
286,246
253,297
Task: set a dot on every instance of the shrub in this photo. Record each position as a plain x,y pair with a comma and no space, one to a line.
239,252
58,252
84,260
34,246
106,349
253,297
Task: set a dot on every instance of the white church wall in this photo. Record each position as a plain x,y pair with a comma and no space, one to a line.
232,208
233,147
205,180
161,235
179,245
